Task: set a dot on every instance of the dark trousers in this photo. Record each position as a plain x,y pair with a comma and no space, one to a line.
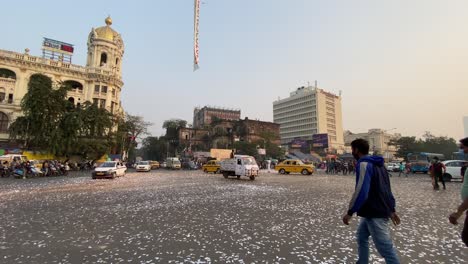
439,178
465,231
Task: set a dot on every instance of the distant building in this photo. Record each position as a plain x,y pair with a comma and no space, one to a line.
309,111
256,130
224,133
378,141
465,124
204,116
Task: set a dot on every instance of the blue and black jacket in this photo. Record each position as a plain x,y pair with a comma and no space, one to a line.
373,196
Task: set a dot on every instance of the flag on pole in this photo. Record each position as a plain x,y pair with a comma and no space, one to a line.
195,35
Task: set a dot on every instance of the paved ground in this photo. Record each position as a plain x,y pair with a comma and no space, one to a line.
191,217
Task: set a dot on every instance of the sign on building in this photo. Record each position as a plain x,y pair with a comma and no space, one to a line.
57,50
320,141
298,143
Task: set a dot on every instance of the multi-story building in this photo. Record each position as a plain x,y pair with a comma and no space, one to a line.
100,81
309,111
204,116
378,141
228,131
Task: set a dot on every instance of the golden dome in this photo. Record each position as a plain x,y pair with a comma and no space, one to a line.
106,32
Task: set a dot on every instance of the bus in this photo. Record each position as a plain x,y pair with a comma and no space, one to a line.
460,155
421,161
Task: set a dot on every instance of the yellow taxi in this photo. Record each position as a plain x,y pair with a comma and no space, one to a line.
154,165
212,166
294,166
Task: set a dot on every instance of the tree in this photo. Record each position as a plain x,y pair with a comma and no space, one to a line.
43,110
439,144
130,129
154,148
246,148
51,123
405,145
429,143
173,127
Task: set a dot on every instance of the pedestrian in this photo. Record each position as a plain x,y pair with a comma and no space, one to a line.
464,195
402,169
438,171
373,201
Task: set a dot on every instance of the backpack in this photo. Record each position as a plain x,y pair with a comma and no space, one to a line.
437,168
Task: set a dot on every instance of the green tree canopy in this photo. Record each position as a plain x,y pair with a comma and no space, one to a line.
51,123
429,143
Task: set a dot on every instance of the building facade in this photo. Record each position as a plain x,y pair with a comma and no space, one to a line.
228,131
100,81
256,130
378,141
309,111
204,116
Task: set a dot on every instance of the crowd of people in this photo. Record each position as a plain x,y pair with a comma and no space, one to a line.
335,166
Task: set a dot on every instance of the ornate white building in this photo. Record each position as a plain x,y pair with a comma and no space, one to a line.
100,81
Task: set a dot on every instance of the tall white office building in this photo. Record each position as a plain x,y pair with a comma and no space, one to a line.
308,111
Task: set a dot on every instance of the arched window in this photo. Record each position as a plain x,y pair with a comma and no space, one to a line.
5,73
76,86
117,62
3,122
2,94
103,59
71,100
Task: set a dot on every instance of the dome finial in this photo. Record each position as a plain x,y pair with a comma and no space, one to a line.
108,21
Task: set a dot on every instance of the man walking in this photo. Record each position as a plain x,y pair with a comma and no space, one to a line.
373,201
438,171
464,195
402,169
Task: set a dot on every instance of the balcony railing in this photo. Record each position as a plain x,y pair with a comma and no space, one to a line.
59,64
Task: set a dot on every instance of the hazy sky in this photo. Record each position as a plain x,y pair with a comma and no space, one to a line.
400,64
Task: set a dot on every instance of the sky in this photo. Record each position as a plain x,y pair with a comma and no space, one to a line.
399,64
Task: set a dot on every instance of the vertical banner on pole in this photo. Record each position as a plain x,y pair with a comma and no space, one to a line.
195,35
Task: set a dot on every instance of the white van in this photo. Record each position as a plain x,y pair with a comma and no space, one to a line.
240,165
10,157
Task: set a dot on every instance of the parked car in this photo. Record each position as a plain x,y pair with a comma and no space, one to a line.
154,165
173,164
212,166
163,164
453,169
189,165
109,169
143,166
391,166
294,166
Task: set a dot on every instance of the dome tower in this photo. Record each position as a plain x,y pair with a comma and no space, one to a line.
105,49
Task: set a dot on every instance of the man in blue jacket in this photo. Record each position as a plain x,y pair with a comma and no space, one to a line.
373,201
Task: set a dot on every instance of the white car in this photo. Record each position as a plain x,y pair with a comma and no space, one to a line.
109,169
143,166
453,169
391,166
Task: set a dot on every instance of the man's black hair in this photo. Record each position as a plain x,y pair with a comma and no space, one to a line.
436,158
464,142
361,145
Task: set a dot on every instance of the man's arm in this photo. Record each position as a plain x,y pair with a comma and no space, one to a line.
461,209
362,188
